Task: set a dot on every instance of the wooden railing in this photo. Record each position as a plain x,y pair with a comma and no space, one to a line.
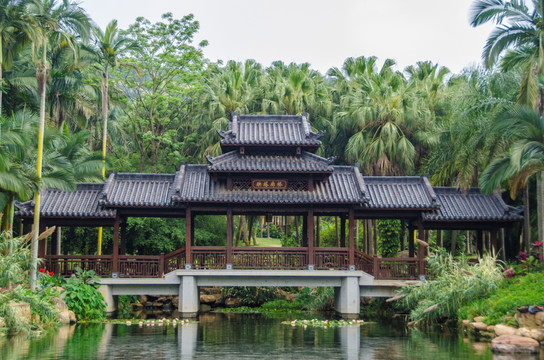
269,258
214,257
364,262
331,258
66,265
209,257
141,266
174,260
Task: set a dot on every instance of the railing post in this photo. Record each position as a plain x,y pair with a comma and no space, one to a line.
375,267
162,269
351,239
115,259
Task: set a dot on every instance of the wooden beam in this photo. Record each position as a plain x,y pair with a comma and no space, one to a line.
311,227
230,232
188,233
115,265
351,237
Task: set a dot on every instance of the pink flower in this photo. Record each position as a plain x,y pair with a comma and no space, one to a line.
522,256
537,244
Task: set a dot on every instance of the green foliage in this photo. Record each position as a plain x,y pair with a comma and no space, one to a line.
388,237
14,259
454,284
516,292
251,295
82,297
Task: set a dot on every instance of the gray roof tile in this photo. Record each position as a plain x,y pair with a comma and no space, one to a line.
83,202
343,186
470,206
399,192
235,162
146,190
293,130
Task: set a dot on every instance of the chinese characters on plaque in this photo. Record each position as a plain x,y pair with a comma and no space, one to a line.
264,184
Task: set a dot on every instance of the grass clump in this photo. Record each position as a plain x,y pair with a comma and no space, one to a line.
455,283
514,293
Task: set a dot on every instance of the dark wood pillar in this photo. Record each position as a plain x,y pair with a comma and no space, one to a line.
480,242
411,250
124,236
317,233
402,234
311,227
115,265
42,244
188,236
439,238
343,231
420,232
351,237
55,241
494,241
304,231
230,232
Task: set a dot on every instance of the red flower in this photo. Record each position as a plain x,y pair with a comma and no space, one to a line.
51,273
42,270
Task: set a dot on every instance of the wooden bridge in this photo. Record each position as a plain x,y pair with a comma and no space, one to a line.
243,258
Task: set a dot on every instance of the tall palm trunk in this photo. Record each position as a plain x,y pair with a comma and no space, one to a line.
540,207
41,75
104,93
526,219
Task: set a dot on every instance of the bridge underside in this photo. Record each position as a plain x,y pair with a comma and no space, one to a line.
349,286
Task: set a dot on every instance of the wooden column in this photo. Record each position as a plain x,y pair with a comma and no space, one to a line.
480,242
311,227
421,259
42,244
411,250
420,232
230,232
494,241
317,233
343,231
304,231
351,237
124,236
188,236
55,241
115,265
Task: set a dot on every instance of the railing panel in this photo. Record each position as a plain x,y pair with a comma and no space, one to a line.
269,258
209,257
331,258
66,265
139,266
175,260
364,262
397,268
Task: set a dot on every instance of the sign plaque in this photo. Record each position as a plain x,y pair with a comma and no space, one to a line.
268,184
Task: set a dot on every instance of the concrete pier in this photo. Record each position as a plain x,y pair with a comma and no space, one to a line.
349,286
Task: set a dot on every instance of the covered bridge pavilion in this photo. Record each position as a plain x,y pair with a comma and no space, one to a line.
269,167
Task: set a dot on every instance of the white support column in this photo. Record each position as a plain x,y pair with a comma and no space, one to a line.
350,339
187,336
189,299
111,301
347,300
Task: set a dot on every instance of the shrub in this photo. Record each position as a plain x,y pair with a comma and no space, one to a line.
454,285
83,298
251,295
388,237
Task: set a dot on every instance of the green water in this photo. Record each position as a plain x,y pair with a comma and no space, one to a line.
236,336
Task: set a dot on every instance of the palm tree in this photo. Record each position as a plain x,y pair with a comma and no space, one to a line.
519,35
53,24
14,32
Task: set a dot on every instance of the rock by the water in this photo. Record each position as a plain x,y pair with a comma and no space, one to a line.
207,299
73,319
204,308
480,326
64,317
511,344
501,330
537,334
539,319
527,320
479,319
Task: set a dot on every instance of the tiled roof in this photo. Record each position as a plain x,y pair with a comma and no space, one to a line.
471,206
399,192
235,162
125,189
83,202
345,185
291,130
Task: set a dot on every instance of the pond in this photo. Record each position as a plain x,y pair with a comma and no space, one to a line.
242,336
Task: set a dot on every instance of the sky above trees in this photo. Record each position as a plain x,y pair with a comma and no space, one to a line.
323,33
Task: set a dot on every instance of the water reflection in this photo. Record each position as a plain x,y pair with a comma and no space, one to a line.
233,336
